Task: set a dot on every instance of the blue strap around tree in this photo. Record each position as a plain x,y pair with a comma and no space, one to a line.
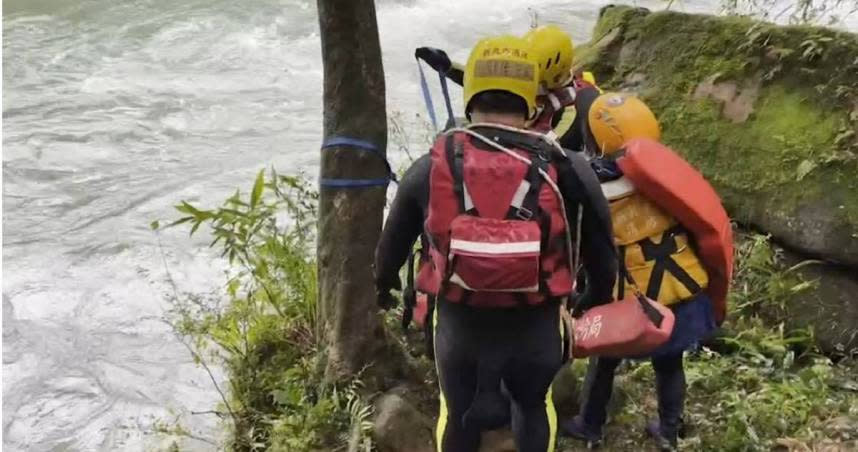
361,145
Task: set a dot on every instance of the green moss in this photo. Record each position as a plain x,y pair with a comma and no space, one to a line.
610,18
764,153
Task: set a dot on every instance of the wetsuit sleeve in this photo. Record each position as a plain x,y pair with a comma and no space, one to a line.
574,137
563,121
404,224
578,183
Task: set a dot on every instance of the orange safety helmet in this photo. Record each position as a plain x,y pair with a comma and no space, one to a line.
615,118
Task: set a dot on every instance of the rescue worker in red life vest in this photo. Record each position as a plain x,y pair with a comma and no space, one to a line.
558,85
556,104
502,211
660,256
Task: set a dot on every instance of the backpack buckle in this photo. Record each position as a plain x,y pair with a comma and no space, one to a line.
523,213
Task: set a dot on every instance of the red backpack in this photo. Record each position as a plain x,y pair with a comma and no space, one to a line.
496,223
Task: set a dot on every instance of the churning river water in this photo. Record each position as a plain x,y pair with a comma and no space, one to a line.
113,110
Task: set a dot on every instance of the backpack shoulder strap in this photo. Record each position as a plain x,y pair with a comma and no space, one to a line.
454,150
525,201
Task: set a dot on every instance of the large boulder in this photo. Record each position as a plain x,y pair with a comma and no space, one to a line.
768,113
829,307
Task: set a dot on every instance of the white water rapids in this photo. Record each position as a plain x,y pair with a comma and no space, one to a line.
113,111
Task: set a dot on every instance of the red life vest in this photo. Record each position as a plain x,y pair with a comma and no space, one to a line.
556,101
497,229
675,186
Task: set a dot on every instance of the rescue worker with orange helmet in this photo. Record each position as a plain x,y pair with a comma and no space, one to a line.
661,256
502,209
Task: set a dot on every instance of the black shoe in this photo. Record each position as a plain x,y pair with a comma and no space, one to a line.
578,429
664,442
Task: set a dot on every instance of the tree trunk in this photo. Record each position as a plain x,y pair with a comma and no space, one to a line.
350,219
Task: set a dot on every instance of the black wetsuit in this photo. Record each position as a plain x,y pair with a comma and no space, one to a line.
522,345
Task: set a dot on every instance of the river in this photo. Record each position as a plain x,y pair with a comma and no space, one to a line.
115,110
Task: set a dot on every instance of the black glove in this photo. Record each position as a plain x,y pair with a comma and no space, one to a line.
436,58
409,301
385,299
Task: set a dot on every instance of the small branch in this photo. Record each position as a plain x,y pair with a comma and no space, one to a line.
181,338
245,263
195,437
219,414
208,370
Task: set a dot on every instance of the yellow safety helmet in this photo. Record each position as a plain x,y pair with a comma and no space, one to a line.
615,118
554,51
503,63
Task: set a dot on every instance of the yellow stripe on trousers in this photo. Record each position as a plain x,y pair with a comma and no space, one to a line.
551,413
442,410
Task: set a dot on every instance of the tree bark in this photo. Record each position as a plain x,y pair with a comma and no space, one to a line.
350,219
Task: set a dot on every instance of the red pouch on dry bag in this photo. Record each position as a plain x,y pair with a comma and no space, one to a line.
492,255
633,326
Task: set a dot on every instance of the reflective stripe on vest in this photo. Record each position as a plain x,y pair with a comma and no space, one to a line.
617,188
489,193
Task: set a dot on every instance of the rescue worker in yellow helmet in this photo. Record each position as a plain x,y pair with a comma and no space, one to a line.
558,84
561,89
497,316
660,256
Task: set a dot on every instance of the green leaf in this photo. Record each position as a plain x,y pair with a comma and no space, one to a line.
180,221
155,225
843,136
185,207
256,193
804,168
214,242
802,286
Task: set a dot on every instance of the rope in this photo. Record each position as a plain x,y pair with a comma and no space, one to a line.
451,121
427,96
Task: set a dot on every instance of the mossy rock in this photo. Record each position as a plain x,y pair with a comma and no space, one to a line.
768,113
829,307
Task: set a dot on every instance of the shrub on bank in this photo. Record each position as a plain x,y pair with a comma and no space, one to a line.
759,387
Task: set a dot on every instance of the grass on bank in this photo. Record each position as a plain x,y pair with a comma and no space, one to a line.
267,334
